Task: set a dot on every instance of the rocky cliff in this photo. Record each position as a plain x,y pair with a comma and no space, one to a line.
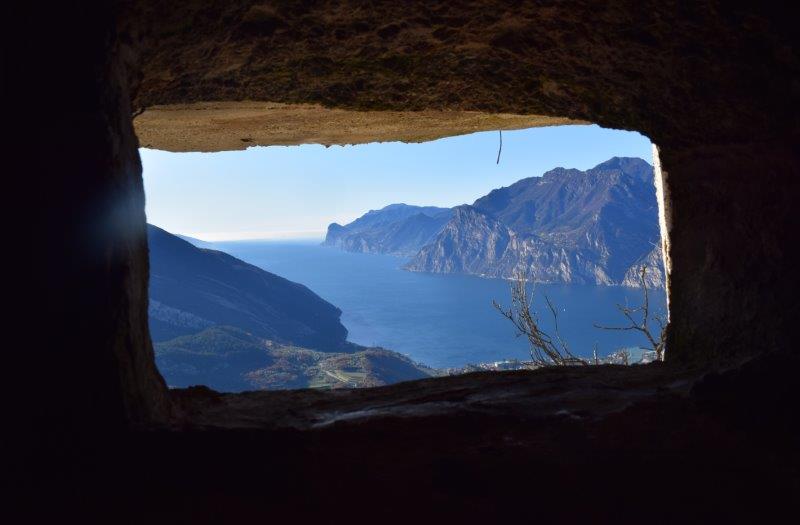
654,276
398,229
568,226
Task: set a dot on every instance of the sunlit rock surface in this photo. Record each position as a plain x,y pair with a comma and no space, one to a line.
225,126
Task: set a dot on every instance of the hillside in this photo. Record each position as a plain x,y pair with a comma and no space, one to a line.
231,360
196,242
192,289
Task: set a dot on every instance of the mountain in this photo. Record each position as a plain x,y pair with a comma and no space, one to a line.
654,276
196,242
398,229
568,226
231,360
218,321
192,289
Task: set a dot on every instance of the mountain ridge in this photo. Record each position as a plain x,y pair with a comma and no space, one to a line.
567,226
193,288
397,229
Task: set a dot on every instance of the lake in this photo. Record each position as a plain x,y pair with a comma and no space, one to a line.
440,320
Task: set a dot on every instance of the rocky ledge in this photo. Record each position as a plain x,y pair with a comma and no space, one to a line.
572,393
650,443
612,439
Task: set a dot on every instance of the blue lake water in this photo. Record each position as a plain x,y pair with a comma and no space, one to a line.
439,320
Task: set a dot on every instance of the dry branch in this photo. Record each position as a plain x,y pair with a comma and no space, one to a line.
544,349
656,344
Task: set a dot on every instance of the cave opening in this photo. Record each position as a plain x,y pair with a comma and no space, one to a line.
713,431
354,266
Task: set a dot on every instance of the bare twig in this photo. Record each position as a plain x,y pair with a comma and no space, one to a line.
501,147
657,345
544,350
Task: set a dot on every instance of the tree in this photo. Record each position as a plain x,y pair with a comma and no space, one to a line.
545,349
643,311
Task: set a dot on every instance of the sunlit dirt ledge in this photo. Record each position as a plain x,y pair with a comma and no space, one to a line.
225,126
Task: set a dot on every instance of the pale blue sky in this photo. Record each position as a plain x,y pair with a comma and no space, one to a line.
296,191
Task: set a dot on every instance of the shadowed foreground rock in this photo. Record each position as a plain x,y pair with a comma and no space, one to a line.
615,444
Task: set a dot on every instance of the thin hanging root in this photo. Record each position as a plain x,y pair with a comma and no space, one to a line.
501,147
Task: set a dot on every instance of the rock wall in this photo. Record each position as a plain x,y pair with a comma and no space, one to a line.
708,71
80,351
713,83
733,249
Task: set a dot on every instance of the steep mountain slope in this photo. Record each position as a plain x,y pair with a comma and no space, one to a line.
468,243
196,242
398,229
567,226
654,274
231,360
192,289
562,199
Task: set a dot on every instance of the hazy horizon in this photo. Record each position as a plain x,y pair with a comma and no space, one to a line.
295,192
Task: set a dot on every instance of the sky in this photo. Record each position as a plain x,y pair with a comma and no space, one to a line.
293,192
